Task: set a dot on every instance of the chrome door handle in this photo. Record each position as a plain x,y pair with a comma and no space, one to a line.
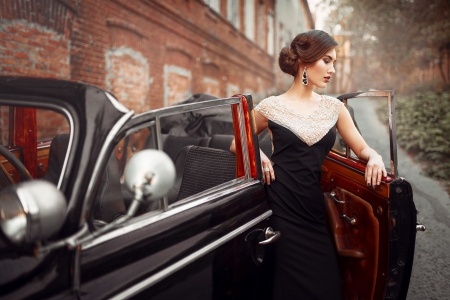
333,196
420,227
352,221
271,236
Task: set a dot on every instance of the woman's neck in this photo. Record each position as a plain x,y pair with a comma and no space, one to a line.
299,91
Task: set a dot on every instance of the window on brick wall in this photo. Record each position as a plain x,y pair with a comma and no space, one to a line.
177,84
211,86
260,25
233,12
250,19
128,77
270,33
232,90
214,5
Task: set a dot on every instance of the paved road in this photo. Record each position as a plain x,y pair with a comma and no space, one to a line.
431,270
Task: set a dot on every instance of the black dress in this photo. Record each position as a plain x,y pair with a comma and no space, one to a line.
305,259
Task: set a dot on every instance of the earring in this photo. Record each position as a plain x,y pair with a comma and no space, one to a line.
304,77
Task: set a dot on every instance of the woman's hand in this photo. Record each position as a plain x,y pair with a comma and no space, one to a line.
375,170
266,164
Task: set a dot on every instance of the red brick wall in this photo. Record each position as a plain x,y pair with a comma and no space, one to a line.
148,53
35,41
33,50
50,124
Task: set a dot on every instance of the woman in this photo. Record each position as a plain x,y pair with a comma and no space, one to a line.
303,129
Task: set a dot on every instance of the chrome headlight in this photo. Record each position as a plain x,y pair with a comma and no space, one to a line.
31,211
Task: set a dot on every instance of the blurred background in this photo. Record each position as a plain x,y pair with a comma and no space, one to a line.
156,53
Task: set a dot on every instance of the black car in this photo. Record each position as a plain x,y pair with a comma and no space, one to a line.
97,202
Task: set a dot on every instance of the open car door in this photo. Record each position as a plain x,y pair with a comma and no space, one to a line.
373,228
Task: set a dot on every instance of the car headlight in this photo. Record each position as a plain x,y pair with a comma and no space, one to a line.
31,211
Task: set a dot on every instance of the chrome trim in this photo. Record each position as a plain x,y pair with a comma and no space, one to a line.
352,221
420,227
101,157
392,134
244,144
270,235
374,94
216,189
172,110
119,106
145,220
152,280
43,146
69,147
159,143
333,196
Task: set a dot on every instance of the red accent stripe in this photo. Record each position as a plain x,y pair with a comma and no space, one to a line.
250,143
240,171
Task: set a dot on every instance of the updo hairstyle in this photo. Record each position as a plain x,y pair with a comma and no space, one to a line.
306,49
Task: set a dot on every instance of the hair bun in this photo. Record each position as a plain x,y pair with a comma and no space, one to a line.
288,61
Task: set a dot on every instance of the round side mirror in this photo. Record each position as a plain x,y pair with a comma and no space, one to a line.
150,171
31,211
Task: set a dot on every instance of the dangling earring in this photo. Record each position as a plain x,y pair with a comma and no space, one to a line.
304,77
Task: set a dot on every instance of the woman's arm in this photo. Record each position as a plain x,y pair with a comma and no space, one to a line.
261,124
375,168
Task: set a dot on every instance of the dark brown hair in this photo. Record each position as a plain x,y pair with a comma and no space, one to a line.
306,49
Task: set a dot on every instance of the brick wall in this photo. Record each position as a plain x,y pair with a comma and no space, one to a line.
50,124
148,53
35,41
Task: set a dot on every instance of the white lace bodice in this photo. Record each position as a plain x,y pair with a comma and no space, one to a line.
310,129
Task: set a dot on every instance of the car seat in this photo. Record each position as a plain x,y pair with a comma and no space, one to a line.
199,169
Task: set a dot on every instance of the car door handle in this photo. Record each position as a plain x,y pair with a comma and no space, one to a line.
352,221
271,236
420,227
333,196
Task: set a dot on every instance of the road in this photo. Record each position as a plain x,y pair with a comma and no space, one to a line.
431,269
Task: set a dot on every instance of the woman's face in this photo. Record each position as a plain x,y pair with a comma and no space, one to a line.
320,74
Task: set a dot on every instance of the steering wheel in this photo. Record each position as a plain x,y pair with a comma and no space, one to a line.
17,164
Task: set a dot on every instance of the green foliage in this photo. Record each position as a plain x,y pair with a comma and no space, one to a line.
423,127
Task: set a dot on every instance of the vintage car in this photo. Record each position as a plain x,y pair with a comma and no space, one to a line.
98,202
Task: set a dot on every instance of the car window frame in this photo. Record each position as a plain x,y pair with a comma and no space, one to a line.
130,123
347,157
45,103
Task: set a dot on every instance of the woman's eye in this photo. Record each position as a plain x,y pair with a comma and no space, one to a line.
326,61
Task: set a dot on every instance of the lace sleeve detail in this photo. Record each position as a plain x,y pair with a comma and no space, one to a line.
334,106
265,107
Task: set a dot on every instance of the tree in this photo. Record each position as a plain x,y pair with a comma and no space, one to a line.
392,40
